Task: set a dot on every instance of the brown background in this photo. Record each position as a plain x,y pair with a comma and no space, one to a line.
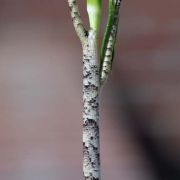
40,93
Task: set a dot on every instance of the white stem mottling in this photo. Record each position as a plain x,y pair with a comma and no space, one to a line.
91,87
91,84
77,21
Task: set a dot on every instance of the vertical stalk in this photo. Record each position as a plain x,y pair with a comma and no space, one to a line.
91,85
93,74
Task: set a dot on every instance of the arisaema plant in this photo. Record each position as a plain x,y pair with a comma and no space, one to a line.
97,65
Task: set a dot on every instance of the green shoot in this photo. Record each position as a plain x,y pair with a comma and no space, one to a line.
111,13
94,8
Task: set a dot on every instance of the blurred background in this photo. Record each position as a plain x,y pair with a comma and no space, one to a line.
40,93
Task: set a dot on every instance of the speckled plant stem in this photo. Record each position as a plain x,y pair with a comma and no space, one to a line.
109,49
91,84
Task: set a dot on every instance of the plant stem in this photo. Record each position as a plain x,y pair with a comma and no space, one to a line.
91,85
109,40
92,75
77,21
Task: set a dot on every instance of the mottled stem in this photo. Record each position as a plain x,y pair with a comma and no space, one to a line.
94,75
77,21
91,84
109,48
